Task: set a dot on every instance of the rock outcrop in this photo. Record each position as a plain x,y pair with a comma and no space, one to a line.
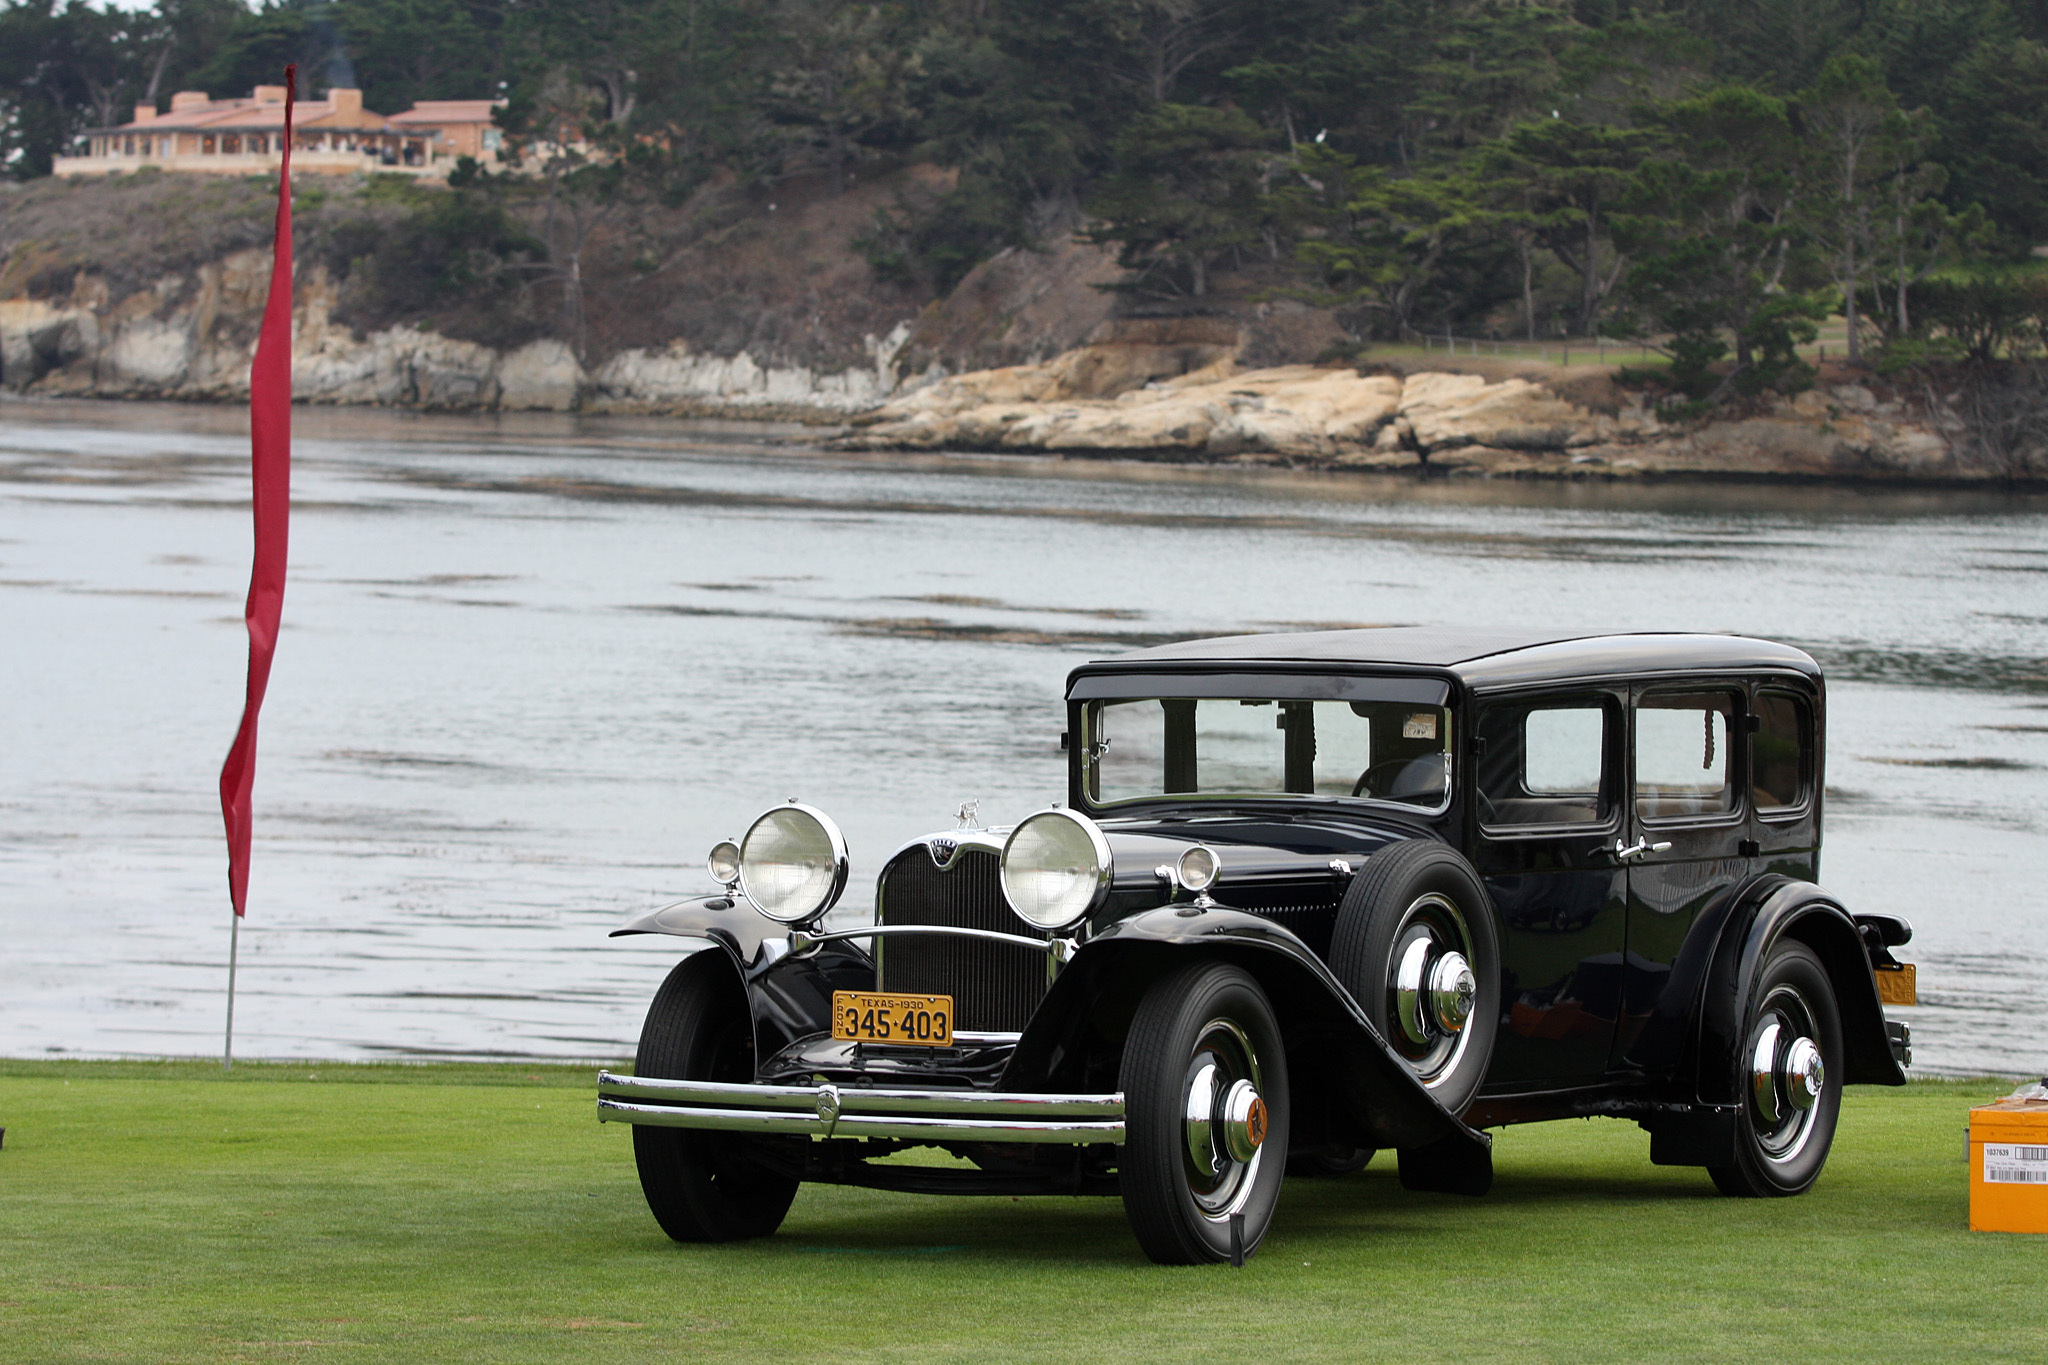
1448,423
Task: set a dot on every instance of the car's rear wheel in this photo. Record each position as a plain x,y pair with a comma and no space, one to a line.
1205,1095
1416,946
1789,1072
704,1186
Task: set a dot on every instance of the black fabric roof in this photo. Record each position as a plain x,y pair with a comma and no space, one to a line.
1482,656
1430,646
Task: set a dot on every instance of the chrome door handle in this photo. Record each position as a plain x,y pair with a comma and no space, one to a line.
1623,853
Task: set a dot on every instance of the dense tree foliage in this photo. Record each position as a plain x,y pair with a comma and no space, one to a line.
1714,173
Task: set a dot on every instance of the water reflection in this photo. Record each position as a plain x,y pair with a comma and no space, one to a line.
533,667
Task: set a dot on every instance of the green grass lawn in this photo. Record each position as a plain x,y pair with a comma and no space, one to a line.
163,1212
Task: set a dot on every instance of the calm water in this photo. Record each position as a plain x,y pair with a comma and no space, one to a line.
532,669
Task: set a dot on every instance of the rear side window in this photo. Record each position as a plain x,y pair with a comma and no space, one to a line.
1781,756
1682,760
1545,763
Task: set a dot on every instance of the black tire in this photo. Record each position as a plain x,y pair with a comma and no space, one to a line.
1782,1154
1205,1015
1422,890
704,1186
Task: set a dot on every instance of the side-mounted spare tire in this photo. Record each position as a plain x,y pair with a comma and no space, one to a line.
1415,944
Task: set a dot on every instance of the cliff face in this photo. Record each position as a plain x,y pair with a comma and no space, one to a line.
192,338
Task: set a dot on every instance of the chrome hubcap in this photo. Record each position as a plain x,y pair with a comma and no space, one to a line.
1787,1074
1431,987
1805,1073
1223,1119
1452,991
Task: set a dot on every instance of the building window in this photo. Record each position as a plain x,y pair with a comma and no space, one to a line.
206,145
231,142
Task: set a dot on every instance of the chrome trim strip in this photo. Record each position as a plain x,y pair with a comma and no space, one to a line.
905,1128
835,1111
735,1093
1059,948
727,1120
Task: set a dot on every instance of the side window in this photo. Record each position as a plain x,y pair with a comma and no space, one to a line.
1682,761
1545,763
1781,755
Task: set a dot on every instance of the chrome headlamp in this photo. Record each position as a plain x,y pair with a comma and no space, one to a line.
1198,868
1056,868
792,863
724,863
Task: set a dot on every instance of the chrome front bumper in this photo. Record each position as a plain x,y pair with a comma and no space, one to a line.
853,1112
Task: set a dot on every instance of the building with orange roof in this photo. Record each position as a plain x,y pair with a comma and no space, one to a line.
334,136
464,127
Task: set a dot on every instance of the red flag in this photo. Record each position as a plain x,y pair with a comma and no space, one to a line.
270,450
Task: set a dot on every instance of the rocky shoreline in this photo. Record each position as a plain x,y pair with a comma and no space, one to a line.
1100,401
1162,389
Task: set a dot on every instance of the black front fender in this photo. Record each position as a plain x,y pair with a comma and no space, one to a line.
789,997
1336,1059
738,928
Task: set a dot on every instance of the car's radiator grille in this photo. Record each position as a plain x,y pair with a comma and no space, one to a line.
995,986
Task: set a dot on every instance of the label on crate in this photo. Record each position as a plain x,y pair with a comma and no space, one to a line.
2007,1163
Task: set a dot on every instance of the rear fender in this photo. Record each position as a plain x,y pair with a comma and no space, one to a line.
1668,1048
1343,1074
1805,913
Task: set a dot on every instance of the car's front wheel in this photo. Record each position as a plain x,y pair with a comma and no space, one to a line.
1789,1071
1205,1101
704,1186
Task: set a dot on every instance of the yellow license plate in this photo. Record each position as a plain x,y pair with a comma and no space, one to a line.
870,1017
1896,985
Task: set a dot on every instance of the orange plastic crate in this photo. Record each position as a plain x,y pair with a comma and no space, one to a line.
2009,1166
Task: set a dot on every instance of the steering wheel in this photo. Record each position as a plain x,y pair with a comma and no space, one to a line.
1404,779
1385,773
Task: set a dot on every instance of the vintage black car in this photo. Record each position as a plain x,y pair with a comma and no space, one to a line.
1309,897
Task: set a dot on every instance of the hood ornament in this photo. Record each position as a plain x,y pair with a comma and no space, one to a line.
969,814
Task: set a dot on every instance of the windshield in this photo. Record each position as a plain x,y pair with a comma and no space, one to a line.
1147,747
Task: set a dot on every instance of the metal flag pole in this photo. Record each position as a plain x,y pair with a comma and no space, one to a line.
270,502
227,1056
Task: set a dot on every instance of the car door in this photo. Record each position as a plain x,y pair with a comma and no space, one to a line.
1548,807
1687,830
